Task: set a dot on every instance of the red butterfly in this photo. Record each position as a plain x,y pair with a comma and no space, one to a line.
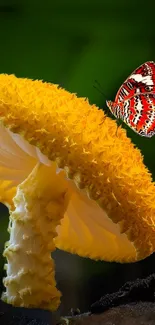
135,100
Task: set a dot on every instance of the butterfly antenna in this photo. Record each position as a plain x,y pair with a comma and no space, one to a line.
99,88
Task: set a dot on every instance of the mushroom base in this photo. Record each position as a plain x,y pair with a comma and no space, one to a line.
40,203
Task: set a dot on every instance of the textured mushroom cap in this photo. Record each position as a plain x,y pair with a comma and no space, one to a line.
111,213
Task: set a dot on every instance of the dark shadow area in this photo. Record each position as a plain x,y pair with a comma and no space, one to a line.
21,316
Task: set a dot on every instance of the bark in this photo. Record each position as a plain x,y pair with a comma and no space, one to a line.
142,313
133,304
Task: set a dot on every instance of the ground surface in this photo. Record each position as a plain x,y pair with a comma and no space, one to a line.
132,314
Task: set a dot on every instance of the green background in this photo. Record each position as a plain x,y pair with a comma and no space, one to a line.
74,43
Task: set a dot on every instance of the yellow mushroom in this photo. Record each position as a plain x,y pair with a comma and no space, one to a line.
69,181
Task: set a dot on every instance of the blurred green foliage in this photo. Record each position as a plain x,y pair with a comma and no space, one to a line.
74,43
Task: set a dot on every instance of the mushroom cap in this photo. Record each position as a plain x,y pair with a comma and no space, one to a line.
111,212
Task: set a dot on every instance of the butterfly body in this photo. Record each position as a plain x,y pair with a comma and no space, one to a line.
135,100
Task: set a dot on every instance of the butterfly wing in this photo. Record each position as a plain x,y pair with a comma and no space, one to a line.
139,113
136,99
141,80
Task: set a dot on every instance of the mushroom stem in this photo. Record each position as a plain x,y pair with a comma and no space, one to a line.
40,203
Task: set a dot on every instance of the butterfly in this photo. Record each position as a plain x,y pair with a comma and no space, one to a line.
135,100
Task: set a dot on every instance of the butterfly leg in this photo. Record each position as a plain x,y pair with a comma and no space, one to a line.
119,123
103,120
